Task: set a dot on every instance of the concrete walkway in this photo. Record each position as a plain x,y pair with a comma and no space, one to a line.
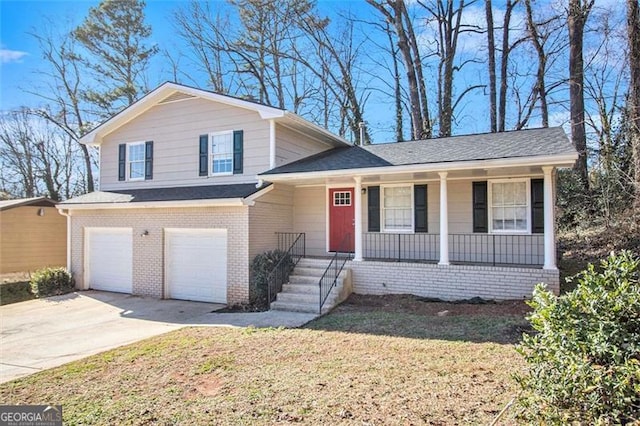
45,333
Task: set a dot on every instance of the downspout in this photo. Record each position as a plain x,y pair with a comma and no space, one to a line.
68,216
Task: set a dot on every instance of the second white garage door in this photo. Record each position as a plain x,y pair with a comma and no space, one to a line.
196,264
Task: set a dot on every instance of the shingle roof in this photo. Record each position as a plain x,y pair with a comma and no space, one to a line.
485,146
35,201
209,192
353,157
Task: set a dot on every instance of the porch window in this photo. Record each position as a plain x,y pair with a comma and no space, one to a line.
397,208
135,161
221,153
509,206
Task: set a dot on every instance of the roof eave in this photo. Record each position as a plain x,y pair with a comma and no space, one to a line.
219,202
560,161
339,141
95,136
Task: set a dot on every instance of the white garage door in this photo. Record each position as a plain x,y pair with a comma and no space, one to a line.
108,259
196,264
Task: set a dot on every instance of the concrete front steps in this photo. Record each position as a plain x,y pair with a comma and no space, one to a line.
302,293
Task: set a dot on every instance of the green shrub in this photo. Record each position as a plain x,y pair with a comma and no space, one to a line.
13,292
51,282
584,360
261,267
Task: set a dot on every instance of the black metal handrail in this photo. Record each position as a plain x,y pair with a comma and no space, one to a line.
289,259
497,249
330,276
491,249
402,247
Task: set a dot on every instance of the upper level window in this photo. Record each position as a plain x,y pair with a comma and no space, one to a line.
397,208
509,207
221,157
135,161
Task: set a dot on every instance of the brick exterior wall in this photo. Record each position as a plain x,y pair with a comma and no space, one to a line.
452,282
148,251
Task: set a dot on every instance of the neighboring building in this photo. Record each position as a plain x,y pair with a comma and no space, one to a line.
195,184
33,235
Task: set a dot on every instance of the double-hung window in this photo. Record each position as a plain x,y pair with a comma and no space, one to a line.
135,161
397,208
509,206
221,153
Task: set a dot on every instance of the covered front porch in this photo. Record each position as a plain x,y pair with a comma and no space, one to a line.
435,219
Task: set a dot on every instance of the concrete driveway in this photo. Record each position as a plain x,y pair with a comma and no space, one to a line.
45,333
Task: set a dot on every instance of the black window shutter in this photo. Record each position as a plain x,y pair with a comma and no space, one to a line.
148,160
420,208
204,155
237,152
122,161
480,207
373,208
537,206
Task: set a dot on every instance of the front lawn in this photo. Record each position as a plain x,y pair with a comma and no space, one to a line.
374,360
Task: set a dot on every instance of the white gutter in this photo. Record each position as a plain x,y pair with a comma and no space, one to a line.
222,202
547,160
68,216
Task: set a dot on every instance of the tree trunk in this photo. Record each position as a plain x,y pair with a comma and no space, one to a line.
397,88
491,47
540,88
504,61
578,14
633,31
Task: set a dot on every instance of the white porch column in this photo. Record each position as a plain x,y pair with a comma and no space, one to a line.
272,144
358,219
444,221
549,220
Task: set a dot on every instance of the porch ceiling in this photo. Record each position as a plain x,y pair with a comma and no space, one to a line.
370,178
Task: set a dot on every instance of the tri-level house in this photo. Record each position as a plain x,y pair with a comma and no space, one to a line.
194,184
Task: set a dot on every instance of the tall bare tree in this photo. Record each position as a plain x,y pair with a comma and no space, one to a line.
633,31
448,17
62,71
36,158
491,52
395,12
578,14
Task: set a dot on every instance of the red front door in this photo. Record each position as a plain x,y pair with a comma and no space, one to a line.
341,219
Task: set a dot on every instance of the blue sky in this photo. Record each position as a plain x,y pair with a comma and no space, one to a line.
20,56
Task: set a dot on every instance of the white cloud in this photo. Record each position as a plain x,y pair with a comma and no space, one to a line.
8,56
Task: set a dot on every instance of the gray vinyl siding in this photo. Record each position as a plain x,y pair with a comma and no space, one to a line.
310,216
174,128
292,145
271,213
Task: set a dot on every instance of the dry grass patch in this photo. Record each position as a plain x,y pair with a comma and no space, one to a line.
358,365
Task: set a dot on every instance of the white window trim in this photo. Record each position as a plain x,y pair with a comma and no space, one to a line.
210,159
385,230
333,201
490,206
128,162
